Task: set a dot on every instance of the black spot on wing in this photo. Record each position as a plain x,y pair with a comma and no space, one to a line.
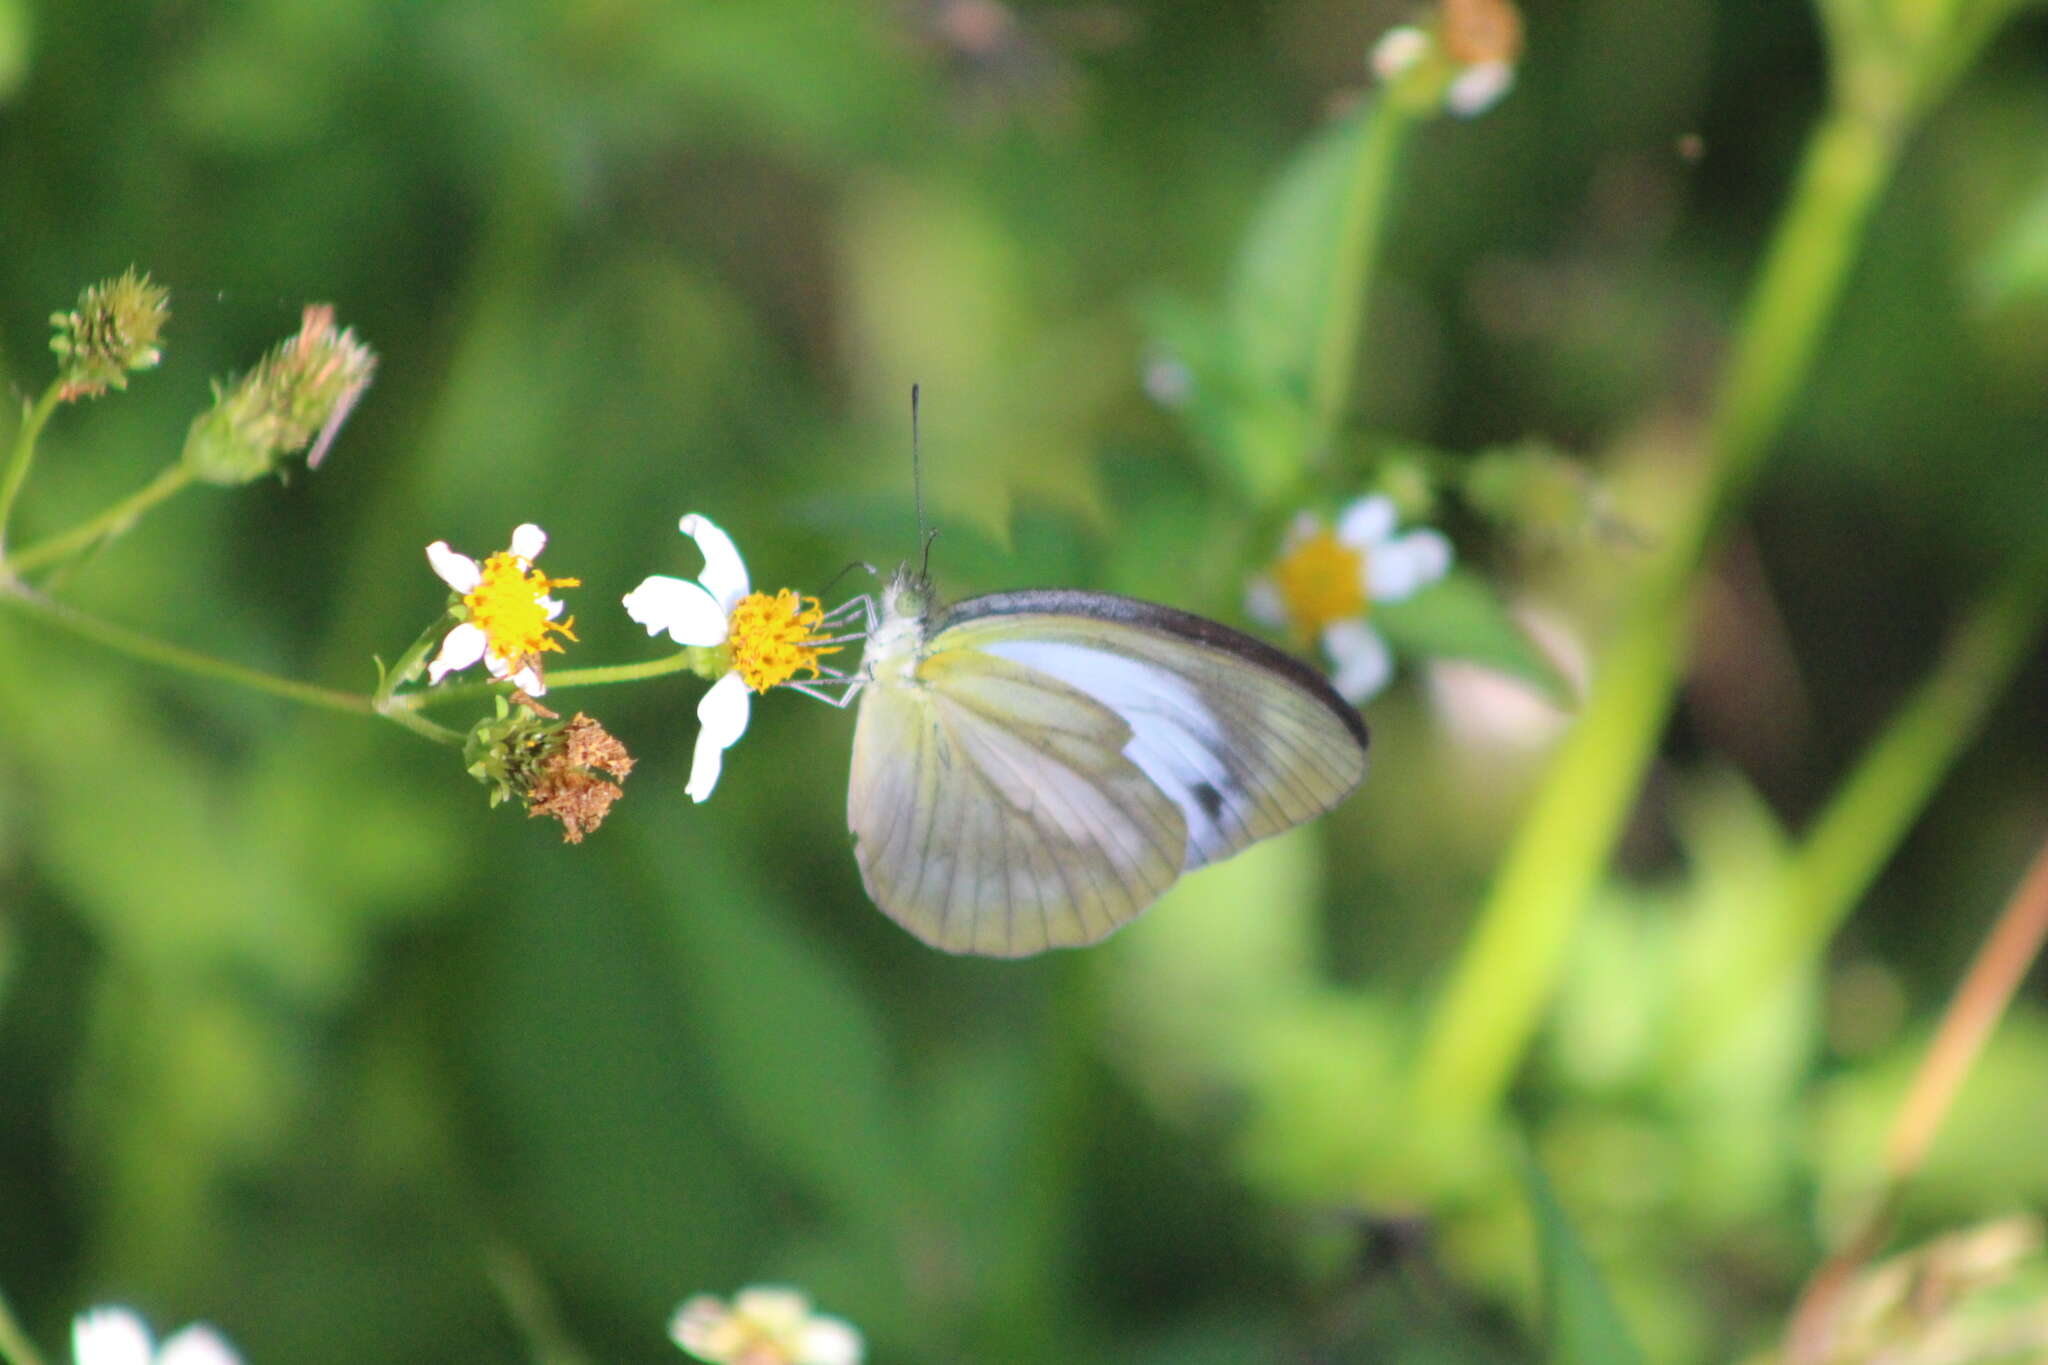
1209,799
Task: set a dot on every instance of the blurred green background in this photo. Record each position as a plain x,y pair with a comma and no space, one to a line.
299,1037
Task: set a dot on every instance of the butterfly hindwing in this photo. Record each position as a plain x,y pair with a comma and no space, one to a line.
995,810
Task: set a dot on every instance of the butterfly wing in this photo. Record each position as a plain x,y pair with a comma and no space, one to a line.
1057,759
1246,740
995,812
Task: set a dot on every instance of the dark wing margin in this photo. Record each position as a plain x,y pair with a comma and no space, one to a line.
1134,611
1247,741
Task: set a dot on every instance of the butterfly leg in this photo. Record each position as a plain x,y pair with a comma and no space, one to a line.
817,689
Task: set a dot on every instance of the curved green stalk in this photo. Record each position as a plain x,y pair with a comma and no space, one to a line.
140,646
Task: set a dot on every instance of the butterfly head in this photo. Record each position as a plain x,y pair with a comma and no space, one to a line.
893,644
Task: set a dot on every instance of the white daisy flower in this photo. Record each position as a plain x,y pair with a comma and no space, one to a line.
764,1325
1323,586
117,1336
509,620
761,641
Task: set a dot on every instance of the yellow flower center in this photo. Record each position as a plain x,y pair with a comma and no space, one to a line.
1321,580
772,639
507,605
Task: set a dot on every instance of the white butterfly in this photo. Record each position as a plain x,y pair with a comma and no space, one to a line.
1032,769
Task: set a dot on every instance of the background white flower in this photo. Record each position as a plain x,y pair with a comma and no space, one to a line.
764,1325
1323,586
700,614
118,1336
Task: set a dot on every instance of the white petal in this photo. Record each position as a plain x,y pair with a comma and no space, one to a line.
551,605
696,1320
528,680
774,1308
198,1344
725,573
1262,603
1397,51
457,571
1367,521
109,1336
460,648
1478,88
1364,663
528,541
722,718
521,673
686,611
829,1341
1399,568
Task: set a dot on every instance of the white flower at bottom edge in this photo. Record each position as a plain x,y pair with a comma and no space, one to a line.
1325,581
510,620
118,1336
764,1325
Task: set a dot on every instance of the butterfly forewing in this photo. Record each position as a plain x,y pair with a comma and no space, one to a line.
995,811
1246,741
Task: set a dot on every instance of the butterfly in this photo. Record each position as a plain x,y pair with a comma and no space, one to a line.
1032,769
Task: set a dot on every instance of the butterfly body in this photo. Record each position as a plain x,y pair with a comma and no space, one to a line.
1032,769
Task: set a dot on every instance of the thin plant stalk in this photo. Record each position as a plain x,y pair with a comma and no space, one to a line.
22,456
1966,1026
1871,811
140,646
1361,225
105,525
15,1347
527,1302
597,676
1481,1026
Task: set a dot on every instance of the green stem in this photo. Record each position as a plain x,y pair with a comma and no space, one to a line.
1497,992
107,524
15,1347
1871,811
573,677
1361,224
22,456
156,651
400,710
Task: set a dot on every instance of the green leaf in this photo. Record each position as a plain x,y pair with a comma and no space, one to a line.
1462,618
1279,295
1580,1322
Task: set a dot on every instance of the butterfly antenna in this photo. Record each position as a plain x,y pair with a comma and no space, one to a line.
831,582
925,536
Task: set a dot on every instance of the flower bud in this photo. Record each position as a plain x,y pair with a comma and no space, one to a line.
558,770
297,396
113,330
